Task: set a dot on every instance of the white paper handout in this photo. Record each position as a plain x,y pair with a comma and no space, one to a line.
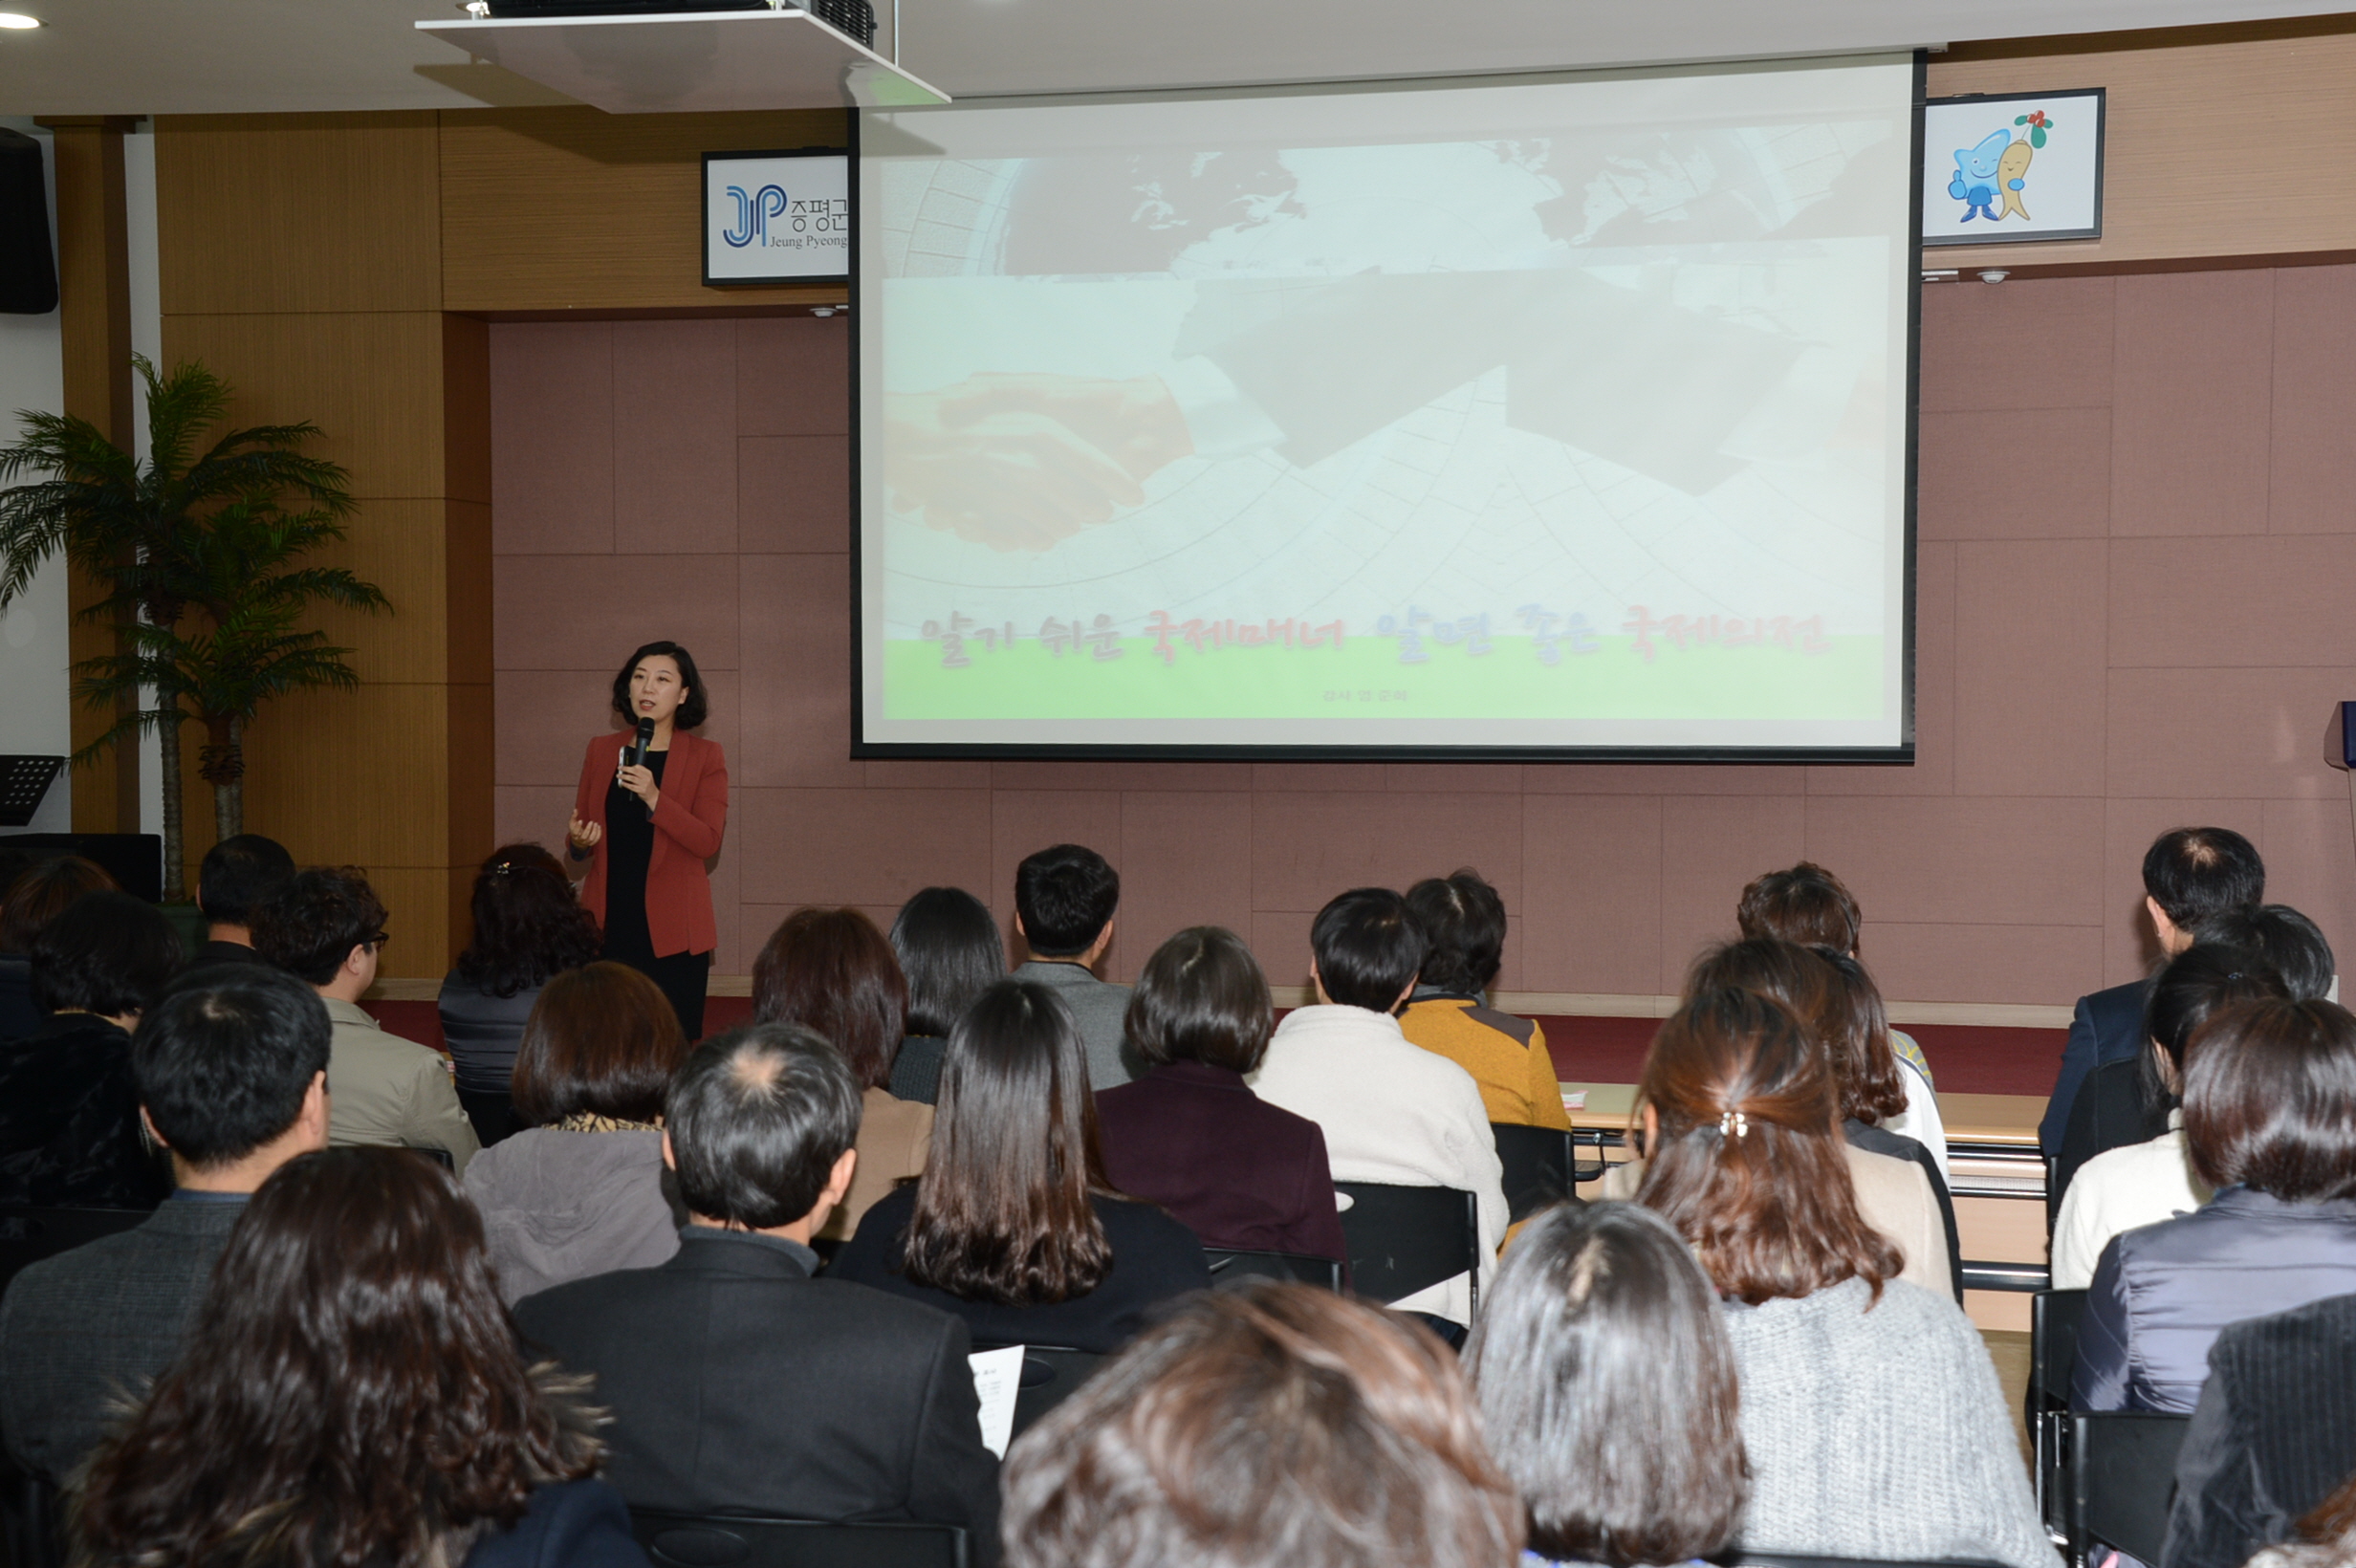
996,1376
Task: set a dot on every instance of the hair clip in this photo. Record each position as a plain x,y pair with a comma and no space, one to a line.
1733,1124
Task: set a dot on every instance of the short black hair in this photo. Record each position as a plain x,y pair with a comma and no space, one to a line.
317,917
1369,947
223,1059
693,710
2289,943
757,1118
950,948
2196,874
241,874
1063,895
1202,997
106,952
2190,990
1464,922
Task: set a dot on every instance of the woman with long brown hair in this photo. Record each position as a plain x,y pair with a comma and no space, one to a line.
351,1393
1870,1411
1013,1226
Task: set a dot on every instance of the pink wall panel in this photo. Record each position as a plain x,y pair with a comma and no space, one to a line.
2191,413
2312,486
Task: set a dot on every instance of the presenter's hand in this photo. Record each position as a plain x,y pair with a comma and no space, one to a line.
583,836
640,782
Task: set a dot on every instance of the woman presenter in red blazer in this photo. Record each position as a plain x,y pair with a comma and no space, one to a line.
650,826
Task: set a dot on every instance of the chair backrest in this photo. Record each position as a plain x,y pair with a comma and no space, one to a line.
1538,1165
1050,1374
1232,1270
2122,1475
1737,1558
30,1234
1403,1239
2054,1317
692,1541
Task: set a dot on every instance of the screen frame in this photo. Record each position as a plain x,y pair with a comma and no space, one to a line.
1900,753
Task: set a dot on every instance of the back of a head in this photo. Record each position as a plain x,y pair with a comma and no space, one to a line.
1463,922
1748,1167
2270,1100
1807,904
1369,948
1201,997
1609,1390
239,875
1855,1030
316,921
2288,942
2196,874
39,894
1278,1426
2196,985
831,970
225,1059
949,953
757,1118
527,924
602,1040
107,953
1063,895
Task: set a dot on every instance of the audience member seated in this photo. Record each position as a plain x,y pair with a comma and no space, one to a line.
1870,1083
69,1133
1391,1112
1463,922
737,1383
350,1392
2291,945
238,876
1280,1426
831,972
2191,877
2270,1117
231,1071
1607,1389
580,1190
2326,1536
2273,1437
2137,1182
327,926
1190,1135
1014,1226
527,926
36,895
949,953
1870,1411
1065,899
1809,905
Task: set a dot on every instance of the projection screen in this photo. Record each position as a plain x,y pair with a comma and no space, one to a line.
1543,417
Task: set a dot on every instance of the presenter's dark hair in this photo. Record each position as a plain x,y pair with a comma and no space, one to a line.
2286,941
1064,894
1463,923
949,953
40,893
107,953
1002,1210
602,1040
2270,1100
1369,947
832,971
1607,1389
527,926
223,1061
2194,986
693,710
757,1118
311,927
2196,874
1805,903
1202,997
239,875
1272,1425
350,1391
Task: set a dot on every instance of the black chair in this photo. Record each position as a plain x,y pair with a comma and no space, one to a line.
30,1519
1233,1270
30,1234
692,1541
1540,1167
492,1112
1050,1374
1403,1239
2120,1479
2053,1354
1737,1558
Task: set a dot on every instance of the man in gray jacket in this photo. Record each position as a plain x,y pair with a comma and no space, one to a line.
1065,899
232,1069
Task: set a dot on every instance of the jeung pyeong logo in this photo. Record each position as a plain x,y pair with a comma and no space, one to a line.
752,214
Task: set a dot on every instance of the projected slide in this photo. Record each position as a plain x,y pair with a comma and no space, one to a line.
1550,415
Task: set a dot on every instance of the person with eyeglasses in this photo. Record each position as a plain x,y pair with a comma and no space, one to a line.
327,927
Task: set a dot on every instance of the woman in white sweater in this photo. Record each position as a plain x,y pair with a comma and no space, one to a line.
1870,1411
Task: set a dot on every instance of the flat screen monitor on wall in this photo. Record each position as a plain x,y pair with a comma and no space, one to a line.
1560,417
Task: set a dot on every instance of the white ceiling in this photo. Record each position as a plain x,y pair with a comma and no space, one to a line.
205,56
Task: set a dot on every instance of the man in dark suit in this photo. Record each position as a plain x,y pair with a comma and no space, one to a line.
231,1071
240,874
2191,876
740,1384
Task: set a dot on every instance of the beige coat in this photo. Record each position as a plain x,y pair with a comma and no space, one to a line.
894,1136
383,1089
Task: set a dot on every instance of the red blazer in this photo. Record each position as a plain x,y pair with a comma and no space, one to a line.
688,822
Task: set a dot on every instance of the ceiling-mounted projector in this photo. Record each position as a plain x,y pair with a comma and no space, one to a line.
854,18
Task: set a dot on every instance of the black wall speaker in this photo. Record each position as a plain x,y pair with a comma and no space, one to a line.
28,271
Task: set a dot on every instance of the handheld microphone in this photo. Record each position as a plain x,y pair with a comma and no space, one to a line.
638,752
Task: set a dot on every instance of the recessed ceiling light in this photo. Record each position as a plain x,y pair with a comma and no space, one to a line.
16,21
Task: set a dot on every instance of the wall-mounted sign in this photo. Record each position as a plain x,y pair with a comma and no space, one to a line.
2023,167
777,217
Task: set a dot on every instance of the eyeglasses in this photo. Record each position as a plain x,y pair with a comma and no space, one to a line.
375,942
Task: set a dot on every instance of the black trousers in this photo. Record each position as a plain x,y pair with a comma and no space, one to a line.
683,977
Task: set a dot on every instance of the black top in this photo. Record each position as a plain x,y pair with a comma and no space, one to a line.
629,848
222,952
70,1135
2109,1113
1899,1146
916,1070
569,1524
18,1017
1154,1258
